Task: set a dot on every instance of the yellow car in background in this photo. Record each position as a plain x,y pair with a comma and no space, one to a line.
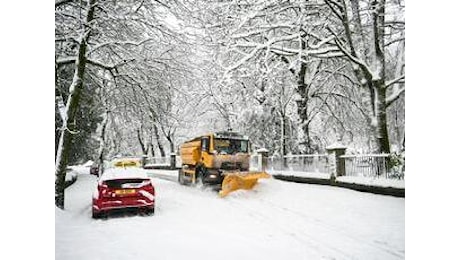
125,162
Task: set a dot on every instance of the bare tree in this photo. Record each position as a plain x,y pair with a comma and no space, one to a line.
127,48
68,127
356,35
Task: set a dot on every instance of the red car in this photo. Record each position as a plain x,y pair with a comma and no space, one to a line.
120,188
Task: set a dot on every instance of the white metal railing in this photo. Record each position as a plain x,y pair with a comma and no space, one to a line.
162,161
364,155
299,162
303,155
372,165
364,165
157,161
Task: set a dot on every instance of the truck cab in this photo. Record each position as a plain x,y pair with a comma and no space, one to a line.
207,158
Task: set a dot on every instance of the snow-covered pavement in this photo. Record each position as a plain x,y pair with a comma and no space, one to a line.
276,220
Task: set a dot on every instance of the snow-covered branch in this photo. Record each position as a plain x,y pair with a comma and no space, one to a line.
61,2
322,42
101,65
244,59
71,60
394,96
395,41
261,29
61,107
65,61
395,80
354,59
101,45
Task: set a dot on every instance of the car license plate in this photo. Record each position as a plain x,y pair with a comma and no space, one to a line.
125,192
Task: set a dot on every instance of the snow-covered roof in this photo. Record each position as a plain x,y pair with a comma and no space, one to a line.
123,173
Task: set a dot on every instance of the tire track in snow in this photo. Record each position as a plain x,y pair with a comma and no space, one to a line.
291,230
320,225
334,229
317,222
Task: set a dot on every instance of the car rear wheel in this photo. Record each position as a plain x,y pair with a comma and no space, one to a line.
151,211
96,215
146,211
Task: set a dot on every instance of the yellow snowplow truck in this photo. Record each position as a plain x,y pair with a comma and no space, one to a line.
220,159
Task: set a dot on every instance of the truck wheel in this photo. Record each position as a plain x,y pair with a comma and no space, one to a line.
180,177
201,172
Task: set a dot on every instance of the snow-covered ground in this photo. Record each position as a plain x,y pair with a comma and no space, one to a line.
373,181
276,220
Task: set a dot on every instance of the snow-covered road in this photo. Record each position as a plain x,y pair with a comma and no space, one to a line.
276,220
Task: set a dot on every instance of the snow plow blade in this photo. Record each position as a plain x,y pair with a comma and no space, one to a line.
240,180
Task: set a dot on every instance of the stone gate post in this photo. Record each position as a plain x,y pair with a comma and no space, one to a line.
336,164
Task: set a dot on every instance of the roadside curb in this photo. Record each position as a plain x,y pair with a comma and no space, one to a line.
396,192
159,167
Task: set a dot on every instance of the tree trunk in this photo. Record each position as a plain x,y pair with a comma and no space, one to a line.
302,89
171,143
172,151
71,109
151,150
372,80
382,126
144,147
283,138
302,104
379,85
157,136
100,153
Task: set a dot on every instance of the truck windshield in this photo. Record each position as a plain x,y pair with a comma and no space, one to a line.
230,146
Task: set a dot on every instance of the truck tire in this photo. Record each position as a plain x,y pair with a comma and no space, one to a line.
200,175
180,177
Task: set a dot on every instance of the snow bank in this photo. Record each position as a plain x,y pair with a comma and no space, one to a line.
369,181
70,175
79,169
88,163
317,175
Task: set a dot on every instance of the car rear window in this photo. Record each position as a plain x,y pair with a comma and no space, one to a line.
125,183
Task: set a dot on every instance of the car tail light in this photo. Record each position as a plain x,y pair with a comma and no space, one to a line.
104,190
148,186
